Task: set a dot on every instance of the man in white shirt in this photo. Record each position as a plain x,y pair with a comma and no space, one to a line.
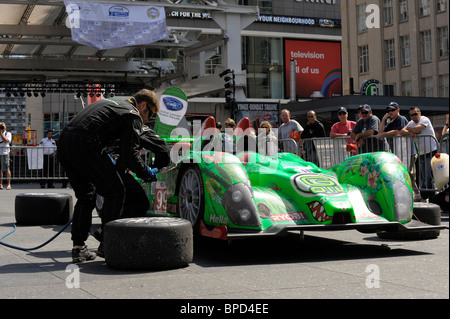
49,159
426,146
284,131
5,143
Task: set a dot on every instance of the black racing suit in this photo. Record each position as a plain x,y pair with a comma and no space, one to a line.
90,170
136,199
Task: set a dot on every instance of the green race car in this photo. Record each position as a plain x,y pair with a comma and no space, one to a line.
231,196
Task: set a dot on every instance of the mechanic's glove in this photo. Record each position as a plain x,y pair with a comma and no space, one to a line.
113,161
151,174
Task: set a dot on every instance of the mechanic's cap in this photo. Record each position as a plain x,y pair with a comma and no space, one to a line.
393,106
342,109
366,107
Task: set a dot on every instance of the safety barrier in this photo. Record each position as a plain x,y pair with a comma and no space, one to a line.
415,153
28,163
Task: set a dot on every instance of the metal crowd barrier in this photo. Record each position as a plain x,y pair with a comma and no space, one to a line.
28,163
415,153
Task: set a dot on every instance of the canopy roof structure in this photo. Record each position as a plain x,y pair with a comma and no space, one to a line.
36,47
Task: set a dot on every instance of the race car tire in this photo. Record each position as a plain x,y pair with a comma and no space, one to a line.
191,196
424,212
148,243
34,209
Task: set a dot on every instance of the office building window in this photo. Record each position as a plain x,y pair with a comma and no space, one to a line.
443,42
406,88
363,56
425,46
263,58
361,16
403,10
388,12
443,85
424,7
389,53
441,5
427,87
405,50
265,6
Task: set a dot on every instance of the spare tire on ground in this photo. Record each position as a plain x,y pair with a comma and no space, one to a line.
35,209
423,212
148,243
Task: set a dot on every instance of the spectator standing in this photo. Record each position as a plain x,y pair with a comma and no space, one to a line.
5,143
312,129
359,110
391,125
392,122
267,139
49,159
344,127
445,129
367,126
426,147
227,136
284,131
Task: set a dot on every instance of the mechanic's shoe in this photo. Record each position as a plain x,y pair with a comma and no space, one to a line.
80,255
101,251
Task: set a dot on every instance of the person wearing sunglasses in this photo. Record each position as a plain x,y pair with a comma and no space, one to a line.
392,122
313,128
344,127
425,146
366,127
90,170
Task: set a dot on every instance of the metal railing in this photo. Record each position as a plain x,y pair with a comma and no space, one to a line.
28,163
414,152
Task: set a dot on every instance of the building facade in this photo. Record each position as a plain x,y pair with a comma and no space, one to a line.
401,43
310,29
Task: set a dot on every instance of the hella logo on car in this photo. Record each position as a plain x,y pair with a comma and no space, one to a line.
172,104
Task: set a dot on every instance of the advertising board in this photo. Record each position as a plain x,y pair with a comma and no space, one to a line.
318,67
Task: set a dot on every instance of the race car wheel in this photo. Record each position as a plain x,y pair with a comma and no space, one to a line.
148,243
43,209
424,212
191,196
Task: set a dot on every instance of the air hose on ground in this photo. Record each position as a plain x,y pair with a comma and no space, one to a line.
33,248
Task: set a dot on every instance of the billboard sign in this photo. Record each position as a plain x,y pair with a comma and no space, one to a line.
318,67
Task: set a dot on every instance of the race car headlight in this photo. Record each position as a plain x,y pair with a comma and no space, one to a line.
403,201
245,214
264,211
240,206
236,196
